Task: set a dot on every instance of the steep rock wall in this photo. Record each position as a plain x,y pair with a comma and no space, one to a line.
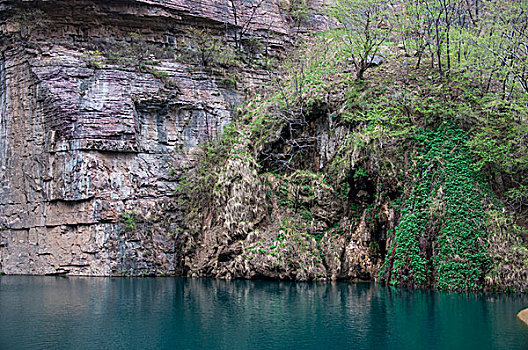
87,143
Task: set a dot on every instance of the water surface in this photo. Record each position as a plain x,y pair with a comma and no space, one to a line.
176,313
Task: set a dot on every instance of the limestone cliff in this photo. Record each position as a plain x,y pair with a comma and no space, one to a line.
102,104
211,139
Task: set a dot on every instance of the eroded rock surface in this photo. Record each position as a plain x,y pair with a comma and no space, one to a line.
104,104
99,113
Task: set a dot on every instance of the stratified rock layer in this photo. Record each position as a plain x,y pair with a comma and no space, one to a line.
91,148
104,104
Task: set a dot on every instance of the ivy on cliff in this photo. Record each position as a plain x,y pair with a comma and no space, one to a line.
441,237
415,136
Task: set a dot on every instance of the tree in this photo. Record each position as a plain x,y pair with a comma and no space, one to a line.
366,28
244,13
204,45
299,10
506,40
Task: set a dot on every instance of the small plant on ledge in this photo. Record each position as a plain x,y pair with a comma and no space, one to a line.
129,219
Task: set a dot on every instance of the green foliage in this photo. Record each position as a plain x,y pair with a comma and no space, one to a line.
307,81
361,172
129,219
253,46
137,51
134,51
499,142
159,74
163,76
364,29
230,80
201,47
299,10
374,248
484,41
432,139
518,196
196,188
297,191
93,59
440,238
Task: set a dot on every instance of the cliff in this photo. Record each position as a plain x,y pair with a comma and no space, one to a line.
359,162
261,139
102,105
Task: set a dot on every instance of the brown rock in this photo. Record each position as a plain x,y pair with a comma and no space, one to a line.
89,132
523,316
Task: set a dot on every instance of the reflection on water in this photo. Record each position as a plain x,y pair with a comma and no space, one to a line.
174,313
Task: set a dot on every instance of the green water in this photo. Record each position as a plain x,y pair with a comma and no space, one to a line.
174,313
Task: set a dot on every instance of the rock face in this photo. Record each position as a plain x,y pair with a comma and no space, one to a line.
523,316
261,222
102,104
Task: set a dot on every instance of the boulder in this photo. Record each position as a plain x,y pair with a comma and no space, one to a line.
523,316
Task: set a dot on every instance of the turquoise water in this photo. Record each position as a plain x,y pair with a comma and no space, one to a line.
175,313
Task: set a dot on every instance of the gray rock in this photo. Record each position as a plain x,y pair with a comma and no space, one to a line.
87,144
376,59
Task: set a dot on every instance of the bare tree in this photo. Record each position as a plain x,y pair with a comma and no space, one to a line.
365,27
244,13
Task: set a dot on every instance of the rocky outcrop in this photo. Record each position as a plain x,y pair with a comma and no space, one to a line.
523,316
262,219
102,104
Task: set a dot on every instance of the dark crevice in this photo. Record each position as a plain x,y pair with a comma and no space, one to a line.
296,146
